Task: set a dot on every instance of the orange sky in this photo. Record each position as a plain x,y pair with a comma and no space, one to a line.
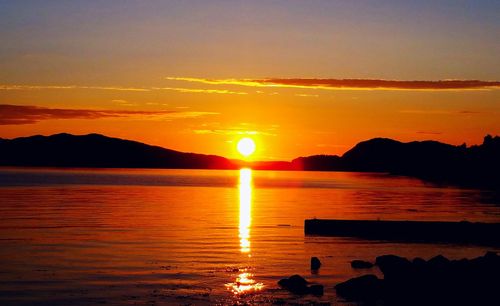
300,80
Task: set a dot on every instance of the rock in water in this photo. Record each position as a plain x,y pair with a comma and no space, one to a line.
316,289
438,281
296,284
361,264
315,263
393,267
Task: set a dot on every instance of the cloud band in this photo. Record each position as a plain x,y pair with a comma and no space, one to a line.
352,84
28,114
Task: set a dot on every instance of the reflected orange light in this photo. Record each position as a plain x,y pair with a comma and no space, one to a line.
245,188
244,284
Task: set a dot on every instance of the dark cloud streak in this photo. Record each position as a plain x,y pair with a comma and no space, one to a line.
29,114
351,84
386,84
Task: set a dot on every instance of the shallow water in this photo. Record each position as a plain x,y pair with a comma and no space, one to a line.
202,237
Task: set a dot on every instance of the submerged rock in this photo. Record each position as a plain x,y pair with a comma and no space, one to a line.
361,264
315,263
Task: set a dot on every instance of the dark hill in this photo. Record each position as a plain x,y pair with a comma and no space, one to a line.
319,162
93,150
386,155
477,166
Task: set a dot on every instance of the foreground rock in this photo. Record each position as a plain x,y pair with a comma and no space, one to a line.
393,267
438,281
296,284
366,288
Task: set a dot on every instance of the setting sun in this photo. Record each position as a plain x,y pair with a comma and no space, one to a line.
246,146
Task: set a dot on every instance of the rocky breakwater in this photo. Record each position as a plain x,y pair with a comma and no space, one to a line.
437,281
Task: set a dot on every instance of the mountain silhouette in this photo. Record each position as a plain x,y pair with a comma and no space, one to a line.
97,151
475,166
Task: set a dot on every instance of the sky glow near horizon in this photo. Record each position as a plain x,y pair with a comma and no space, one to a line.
198,76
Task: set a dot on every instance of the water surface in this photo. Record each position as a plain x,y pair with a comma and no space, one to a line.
116,236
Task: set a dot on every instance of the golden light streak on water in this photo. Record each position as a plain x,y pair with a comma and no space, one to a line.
244,282
245,188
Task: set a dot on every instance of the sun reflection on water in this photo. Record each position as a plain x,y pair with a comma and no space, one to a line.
244,282
245,188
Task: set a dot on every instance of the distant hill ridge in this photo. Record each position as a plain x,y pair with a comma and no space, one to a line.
95,151
477,166
431,160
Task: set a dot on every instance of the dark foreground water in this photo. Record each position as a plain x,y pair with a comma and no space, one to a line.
157,237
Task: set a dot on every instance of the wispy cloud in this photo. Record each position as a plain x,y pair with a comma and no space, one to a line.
198,90
350,84
232,132
429,132
307,96
137,89
468,112
325,84
124,103
27,114
438,112
179,114
241,129
242,82
39,87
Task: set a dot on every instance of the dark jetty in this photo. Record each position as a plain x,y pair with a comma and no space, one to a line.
408,231
438,281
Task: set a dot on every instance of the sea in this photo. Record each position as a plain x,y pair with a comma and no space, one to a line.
204,237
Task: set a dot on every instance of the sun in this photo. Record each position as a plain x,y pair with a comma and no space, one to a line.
246,146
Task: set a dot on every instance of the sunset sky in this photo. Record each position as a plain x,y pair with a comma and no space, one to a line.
299,77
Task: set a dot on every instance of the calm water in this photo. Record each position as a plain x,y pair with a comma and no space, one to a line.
153,237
